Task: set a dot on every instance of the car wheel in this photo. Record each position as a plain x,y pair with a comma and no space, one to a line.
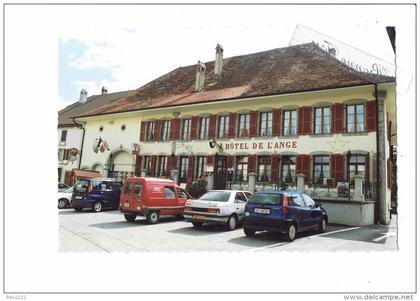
231,223
197,224
62,203
153,217
323,226
130,217
291,232
78,209
249,232
97,207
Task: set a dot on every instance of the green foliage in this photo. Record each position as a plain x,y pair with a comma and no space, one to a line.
197,188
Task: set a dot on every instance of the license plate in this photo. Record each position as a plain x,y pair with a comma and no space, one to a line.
126,205
260,210
78,198
199,217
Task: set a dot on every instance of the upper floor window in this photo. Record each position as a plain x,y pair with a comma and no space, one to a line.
63,136
243,125
264,169
289,122
165,129
241,173
223,126
266,123
322,120
203,126
150,128
321,169
186,129
355,118
200,167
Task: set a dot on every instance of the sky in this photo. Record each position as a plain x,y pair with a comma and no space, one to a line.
152,41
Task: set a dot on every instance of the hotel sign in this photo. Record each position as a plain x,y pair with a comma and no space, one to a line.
267,145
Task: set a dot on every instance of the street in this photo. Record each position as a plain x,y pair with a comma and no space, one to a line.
108,231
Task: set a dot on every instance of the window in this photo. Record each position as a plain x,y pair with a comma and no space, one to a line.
147,165
203,128
355,119
150,127
63,136
297,200
182,193
223,126
169,192
161,166
240,198
137,189
356,166
309,202
248,195
266,123
241,169
186,129
243,125
288,169
200,166
183,169
321,169
128,187
289,123
164,130
322,120
264,169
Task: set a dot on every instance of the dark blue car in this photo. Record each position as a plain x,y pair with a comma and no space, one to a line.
97,194
283,211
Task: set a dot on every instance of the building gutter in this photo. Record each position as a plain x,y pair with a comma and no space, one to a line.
80,126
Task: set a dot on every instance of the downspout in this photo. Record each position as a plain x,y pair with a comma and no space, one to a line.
80,126
378,161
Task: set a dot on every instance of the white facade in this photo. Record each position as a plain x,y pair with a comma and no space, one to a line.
73,139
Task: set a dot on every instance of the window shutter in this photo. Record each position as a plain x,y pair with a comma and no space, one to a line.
190,170
389,173
253,123
153,166
300,121
230,161
175,128
337,118
370,108
210,160
367,168
212,126
307,120
276,122
156,131
137,170
251,163
274,168
142,130
337,163
303,166
232,125
194,123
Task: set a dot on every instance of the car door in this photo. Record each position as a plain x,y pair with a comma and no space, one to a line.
239,204
183,196
315,213
300,211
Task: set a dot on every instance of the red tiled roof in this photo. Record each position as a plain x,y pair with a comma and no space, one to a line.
292,69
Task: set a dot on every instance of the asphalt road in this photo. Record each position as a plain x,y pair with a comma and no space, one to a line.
109,232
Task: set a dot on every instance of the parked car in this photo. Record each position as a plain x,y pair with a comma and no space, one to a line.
218,207
62,187
283,211
64,198
151,197
96,193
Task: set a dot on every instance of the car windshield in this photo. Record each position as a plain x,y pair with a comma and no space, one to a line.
265,198
216,196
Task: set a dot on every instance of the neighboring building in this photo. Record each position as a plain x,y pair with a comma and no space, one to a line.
70,134
257,121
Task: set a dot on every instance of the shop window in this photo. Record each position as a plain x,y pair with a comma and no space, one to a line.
321,169
356,166
161,166
183,169
288,169
322,120
63,136
355,118
203,128
200,167
243,125
186,129
266,123
147,165
150,128
223,127
289,123
165,129
264,169
241,171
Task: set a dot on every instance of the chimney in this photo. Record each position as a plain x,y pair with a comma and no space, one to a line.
83,96
199,78
218,62
104,90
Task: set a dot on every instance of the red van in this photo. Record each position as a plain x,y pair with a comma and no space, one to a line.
151,197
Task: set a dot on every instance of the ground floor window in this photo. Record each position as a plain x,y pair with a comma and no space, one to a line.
200,167
288,169
161,166
147,165
356,166
321,169
241,171
183,169
264,169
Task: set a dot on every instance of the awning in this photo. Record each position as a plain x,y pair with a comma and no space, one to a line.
84,174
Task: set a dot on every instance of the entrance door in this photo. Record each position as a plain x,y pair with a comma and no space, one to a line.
220,172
